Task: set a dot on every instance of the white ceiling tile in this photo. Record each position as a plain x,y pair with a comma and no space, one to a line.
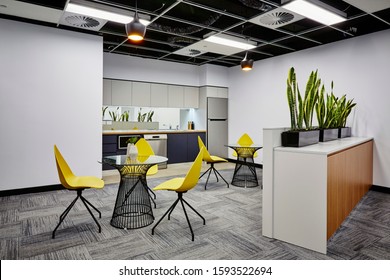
30,11
370,6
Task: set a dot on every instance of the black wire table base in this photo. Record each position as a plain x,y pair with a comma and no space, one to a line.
245,175
132,207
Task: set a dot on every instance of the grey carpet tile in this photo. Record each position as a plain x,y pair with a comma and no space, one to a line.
9,216
232,231
11,230
72,253
9,249
127,247
43,243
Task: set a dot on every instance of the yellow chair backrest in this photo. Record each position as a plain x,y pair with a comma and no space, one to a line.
192,176
144,148
64,171
206,154
245,140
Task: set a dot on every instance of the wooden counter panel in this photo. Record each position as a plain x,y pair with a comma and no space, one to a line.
350,176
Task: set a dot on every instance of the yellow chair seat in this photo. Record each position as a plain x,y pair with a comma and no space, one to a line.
144,149
152,170
170,185
216,159
77,182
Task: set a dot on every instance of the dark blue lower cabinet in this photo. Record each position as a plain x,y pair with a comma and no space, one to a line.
177,147
183,147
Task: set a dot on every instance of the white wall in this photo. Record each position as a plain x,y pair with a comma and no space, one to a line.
50,93
359,68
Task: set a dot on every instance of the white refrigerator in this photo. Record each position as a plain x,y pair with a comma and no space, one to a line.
217,126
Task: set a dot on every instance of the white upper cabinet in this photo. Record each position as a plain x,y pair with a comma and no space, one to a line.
191,97
159,95
175,96
218,92
121,93
106,92
141,94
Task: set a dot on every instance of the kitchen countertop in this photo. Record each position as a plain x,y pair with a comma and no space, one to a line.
149,131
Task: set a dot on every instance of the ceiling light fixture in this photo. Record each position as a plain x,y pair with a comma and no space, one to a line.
246,64
317,11
102,14
135,30
223,40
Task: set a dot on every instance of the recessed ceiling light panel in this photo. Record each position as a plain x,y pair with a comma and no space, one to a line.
316,12
231,41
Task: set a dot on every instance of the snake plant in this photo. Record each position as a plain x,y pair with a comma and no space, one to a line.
114,115
325,108
310,99
294,101
124,117
343,109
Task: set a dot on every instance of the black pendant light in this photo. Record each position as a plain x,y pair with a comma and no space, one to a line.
135,30
246,64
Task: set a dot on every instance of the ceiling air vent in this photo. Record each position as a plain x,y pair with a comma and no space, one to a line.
81,21
188,51
276,18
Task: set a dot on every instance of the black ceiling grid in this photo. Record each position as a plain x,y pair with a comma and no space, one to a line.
178,24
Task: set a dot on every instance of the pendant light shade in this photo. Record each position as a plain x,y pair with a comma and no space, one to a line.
135,30
246,64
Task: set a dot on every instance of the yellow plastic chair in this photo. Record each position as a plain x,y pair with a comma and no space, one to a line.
244,140
180,186
144,149
210,160
75,183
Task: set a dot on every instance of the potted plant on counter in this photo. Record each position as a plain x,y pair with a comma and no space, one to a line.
343,109
325,110
301,111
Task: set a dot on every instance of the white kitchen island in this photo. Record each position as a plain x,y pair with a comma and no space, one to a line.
309,191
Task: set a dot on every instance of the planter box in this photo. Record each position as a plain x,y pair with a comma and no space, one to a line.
300,138
345,132
329,134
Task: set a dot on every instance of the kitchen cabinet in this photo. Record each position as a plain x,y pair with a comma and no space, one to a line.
110,148
121,92
183,147
191,97
158,95
218,92
141,94
106,92
175,96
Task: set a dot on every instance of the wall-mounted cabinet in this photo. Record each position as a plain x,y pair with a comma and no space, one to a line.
121,92
159,95
141,94
191,97
175,96
218,92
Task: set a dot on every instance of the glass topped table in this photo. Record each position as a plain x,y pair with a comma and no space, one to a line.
133,207
245,170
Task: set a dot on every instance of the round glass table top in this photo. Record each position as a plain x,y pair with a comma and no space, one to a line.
124,160
235,145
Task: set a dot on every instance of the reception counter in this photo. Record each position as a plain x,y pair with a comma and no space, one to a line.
309,191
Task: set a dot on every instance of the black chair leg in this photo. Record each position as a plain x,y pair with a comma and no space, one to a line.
86,203
172,207
221,177
166,213
63,215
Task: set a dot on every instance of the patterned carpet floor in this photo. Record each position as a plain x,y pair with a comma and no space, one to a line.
232,231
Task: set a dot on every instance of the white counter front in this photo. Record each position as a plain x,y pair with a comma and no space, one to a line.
297,183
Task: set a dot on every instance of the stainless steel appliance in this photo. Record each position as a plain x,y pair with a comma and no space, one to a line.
122,140
217,126
158,142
